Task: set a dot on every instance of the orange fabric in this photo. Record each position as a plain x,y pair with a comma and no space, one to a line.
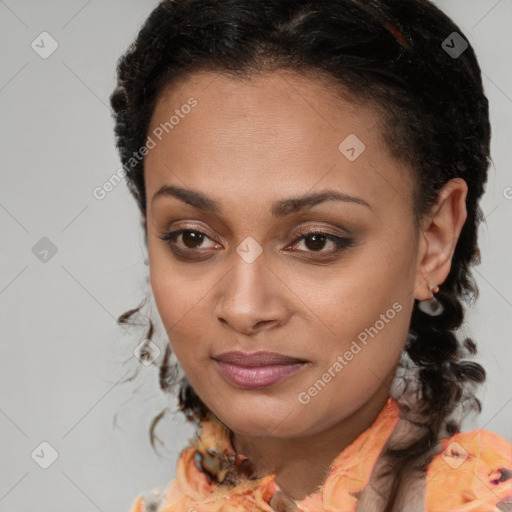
464,476
138,504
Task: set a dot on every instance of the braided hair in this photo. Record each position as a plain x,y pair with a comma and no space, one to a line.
390,54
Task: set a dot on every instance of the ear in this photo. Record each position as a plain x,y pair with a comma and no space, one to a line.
439,235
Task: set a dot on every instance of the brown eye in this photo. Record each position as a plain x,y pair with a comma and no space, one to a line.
192,239
315,241
190,243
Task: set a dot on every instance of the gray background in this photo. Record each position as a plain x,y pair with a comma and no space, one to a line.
63,356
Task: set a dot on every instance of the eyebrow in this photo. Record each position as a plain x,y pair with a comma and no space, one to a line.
280,208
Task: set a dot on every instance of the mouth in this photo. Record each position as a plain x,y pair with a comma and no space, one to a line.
256,370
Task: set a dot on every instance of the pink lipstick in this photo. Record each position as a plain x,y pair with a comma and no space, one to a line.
256,370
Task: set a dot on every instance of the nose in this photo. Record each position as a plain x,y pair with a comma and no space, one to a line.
248,327
253,299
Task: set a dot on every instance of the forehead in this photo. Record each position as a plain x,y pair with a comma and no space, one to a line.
277,132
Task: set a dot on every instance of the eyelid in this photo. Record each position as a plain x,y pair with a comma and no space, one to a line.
341,241
304,230
191,227
295,233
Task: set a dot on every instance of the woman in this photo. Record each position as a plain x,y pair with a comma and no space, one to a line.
309,176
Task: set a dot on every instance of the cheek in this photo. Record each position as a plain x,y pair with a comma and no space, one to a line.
355,298
368,310
180,303
174,292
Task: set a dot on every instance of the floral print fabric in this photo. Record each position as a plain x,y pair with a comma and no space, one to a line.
472,472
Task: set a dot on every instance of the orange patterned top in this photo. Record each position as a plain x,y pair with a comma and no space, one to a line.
472,472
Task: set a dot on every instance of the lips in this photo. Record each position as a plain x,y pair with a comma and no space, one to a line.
256,370
256,358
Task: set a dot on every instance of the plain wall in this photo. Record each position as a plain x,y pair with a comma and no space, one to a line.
63,356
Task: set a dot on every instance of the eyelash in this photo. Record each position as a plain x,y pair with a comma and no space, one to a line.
341,242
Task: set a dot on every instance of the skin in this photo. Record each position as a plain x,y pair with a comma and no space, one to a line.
246,145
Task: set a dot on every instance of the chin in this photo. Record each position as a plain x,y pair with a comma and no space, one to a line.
262,421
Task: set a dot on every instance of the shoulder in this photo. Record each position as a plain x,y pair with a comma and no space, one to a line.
471,472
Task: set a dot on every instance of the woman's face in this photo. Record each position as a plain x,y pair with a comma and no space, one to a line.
238,166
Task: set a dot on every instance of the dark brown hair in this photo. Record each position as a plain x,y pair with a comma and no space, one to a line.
390,54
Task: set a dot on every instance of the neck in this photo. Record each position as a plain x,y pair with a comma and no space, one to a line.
302,464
